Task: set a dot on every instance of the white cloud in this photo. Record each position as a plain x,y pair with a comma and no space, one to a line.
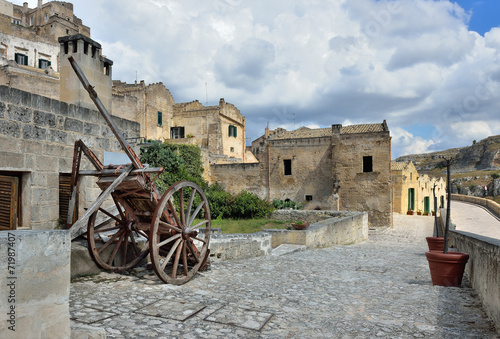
327,62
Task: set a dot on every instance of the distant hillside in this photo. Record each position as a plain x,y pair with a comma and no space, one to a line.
482,156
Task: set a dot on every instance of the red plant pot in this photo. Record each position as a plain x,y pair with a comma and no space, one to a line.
447,269
435,243
302,226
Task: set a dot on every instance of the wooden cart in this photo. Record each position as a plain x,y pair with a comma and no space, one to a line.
131,219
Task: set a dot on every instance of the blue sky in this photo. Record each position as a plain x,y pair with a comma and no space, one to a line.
431,68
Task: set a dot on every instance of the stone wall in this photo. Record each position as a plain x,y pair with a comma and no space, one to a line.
37,136
34,284
239,246
483,269
328,228
238,177
365,191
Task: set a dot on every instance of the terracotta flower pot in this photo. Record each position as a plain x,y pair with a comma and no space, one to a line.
435,243
447,269
302,226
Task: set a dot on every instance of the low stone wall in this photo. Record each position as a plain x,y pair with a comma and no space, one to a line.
239,246
34,284
327,228
492,206
483,269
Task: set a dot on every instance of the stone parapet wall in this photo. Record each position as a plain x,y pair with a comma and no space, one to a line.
34,284
491,205
328,228
483,269
239,246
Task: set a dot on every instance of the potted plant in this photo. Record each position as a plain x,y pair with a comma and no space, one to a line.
410,212
300,225
447,268
433,213
419,212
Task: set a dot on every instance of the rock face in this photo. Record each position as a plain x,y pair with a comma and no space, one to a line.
482,156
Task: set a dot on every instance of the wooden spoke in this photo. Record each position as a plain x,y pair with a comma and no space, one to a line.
176,261
181,206
190,205
201,204
115,250
111,240
193,252
204,222
121,250
202,240
174,213
169,255
184,258
177,229
179,243
122,216
177,236
109,214
100,230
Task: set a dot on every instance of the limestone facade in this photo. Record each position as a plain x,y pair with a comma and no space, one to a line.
37,136
414,192
350,164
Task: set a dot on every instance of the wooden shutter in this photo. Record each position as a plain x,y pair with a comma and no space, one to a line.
64,198
9,188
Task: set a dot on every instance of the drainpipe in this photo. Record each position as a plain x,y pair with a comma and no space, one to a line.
145,114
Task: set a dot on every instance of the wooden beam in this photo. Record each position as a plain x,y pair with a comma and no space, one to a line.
78,227
112,171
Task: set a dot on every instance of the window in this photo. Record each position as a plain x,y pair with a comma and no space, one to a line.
232,149
176,132
367,164
16,22
43,63
31,21
309,197
233,131
21,59
160,118
287,165
46,17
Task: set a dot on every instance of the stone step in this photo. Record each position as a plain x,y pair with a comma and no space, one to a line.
287,248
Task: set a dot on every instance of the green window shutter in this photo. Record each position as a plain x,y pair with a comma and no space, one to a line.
230,130
160,118
235,129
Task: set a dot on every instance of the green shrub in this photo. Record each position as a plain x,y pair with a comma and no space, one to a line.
280,204
495,175
248,205
219,200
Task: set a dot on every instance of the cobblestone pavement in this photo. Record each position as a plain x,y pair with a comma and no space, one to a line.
377,289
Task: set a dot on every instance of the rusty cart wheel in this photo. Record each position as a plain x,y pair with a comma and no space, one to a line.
114,238
177,249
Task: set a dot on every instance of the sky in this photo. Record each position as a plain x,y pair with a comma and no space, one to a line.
431,69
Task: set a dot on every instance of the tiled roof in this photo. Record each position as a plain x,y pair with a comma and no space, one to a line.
399,165
305,132
364,128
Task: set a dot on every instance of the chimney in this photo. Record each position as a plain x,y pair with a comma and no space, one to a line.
97,69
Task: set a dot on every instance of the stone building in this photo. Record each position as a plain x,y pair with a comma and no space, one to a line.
345,167
37,136
29,48
413,192
218,130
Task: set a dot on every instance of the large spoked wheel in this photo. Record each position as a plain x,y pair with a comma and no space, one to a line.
177,249
114,240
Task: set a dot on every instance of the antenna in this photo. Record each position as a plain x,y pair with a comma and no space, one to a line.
206,92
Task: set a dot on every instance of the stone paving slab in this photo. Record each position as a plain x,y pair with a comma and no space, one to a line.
377,289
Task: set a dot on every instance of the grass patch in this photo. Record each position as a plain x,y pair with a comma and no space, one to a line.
249,225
